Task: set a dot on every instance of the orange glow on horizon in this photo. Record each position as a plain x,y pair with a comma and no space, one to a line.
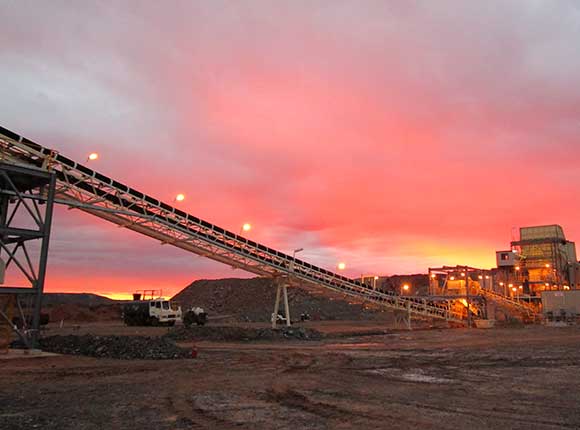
116,296
123,296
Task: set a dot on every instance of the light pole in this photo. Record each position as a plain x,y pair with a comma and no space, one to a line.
296,251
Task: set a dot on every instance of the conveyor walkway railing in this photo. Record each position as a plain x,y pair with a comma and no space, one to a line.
83,188
509,302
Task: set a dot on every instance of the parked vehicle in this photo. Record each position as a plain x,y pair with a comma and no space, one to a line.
150,313
194,316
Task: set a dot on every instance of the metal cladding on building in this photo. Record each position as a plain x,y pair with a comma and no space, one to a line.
546,260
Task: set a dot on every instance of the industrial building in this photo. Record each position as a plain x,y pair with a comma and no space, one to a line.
540,271
459,281
541,260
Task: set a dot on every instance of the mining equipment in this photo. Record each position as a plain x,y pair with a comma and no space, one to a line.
194,315
150,313
78,186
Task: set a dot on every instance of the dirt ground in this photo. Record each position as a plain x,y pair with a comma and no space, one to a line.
517,378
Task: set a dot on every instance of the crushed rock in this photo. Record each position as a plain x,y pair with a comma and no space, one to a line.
224,333
119,347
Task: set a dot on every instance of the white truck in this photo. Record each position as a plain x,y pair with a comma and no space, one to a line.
150,312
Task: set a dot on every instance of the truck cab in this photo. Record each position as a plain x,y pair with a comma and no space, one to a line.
162,310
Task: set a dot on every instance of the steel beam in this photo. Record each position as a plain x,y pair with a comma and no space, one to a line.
99,195
17,187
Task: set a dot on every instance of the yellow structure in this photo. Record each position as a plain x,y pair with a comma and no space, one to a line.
544,260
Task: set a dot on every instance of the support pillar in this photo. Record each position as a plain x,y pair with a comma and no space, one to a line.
276,306
43,260
281,291
26,198
286,305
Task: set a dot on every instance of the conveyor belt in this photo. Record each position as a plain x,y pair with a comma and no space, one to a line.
92,192
518,305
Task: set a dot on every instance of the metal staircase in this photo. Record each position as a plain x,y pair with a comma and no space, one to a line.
92,192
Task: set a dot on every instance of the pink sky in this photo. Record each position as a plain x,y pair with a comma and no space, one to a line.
393,136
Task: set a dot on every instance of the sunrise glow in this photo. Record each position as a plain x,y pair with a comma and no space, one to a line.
371,134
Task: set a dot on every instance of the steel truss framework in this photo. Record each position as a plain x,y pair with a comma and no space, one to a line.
484,289
519,305
94,193
19,191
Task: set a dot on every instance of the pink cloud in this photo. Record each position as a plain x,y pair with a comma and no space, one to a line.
394,135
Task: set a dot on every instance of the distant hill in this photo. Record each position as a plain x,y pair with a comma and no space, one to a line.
81,299
79,307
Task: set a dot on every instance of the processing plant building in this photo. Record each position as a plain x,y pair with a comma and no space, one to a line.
541,260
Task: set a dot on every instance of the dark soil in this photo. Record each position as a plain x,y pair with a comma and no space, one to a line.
236,334
430,379
119,347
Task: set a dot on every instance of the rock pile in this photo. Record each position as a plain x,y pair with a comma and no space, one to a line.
244,334
119,347
253,299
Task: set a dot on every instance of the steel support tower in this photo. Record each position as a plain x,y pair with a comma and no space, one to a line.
26,205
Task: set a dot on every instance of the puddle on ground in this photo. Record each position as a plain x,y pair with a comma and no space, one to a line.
414,375
362,345
237,410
